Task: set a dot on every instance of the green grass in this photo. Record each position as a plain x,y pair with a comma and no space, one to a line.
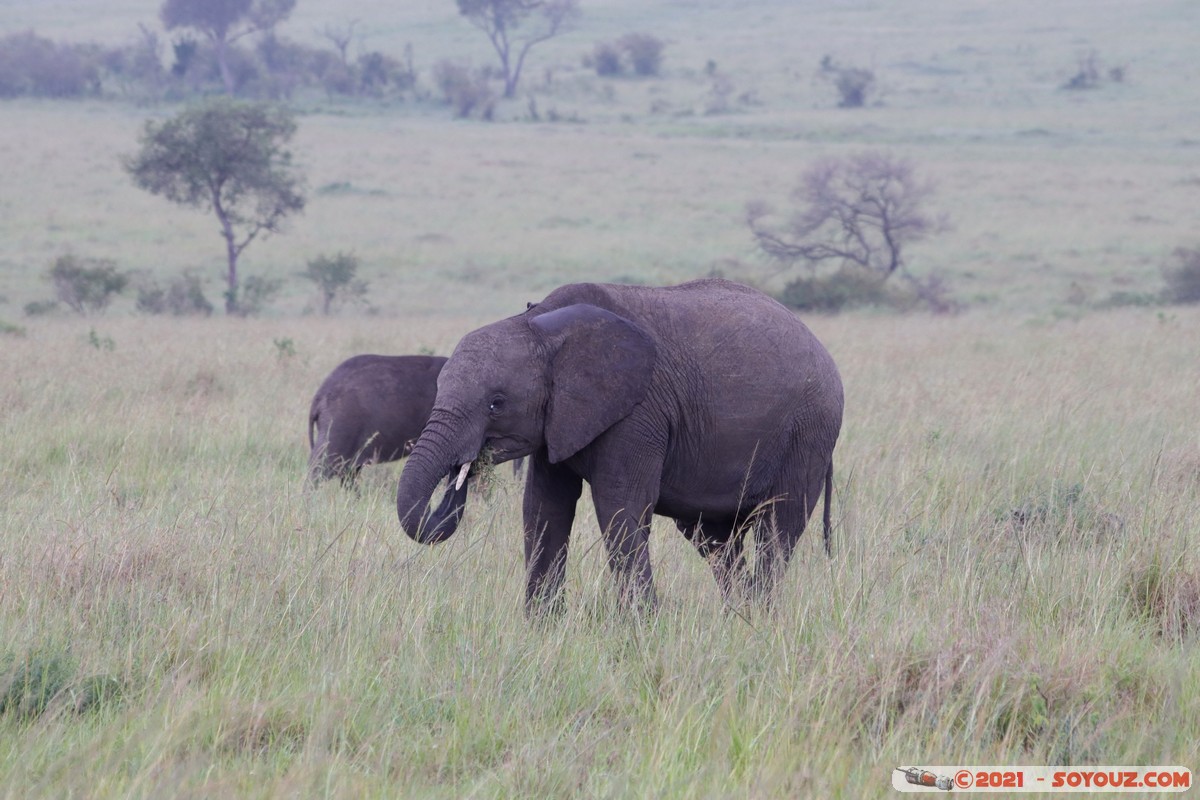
1018,486
1015,582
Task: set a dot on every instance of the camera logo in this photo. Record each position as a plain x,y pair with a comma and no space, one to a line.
923,777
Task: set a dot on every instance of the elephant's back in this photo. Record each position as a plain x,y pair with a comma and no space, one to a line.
382,389
747,365
724,329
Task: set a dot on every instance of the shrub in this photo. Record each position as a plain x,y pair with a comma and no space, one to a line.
848,287
606,60
34,65
197,70
10,329
256,293
466,90
1165,594
29,684
288,65
183,296
644,51
1087,76
1124,298
137,68
1183,278
41,308
379,74
335,278
853,84
86,284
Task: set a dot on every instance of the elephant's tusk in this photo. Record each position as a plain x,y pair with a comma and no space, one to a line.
462,476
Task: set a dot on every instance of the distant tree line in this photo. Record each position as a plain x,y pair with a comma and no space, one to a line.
232,47
274,68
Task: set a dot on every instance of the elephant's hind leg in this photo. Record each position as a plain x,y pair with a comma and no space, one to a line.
722,544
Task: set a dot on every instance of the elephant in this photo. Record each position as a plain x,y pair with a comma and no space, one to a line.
707,402
369,410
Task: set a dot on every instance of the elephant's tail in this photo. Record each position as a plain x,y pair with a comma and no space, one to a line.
828,516
313,414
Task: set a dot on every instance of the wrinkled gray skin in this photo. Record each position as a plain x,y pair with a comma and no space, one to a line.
709,403
369,410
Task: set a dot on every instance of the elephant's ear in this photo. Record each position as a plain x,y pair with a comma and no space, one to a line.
600,369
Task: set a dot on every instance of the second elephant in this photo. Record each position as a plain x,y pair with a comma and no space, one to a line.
369,410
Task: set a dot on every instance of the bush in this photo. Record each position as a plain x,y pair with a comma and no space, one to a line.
41,308
287,66
34,65
853,84
606,60
335,279
378,74
29,684
644,51
9,329
183,296
197,71
466,90
137,68
1087,76
846,288
1127,299
1183,278
256,292
44,679
86,284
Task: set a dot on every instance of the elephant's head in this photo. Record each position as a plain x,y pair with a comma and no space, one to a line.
555,379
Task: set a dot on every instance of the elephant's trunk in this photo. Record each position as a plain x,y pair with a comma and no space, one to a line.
427,466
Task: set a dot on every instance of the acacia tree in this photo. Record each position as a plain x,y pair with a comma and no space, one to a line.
223,22
860,210
514,27
229,157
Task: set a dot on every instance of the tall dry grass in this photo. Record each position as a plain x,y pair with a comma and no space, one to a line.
1015,581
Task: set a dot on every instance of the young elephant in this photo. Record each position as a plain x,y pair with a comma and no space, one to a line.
369,410
709,403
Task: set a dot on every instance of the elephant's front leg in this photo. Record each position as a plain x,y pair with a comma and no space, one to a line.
551,494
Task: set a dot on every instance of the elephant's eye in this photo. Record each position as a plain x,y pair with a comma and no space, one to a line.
497,405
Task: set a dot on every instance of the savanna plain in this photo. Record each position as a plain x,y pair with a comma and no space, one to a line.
1015,576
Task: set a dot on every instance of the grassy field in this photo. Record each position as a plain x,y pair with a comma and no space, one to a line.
1015,582
1018,494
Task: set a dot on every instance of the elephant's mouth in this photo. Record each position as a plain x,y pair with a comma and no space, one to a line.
479,469
497,451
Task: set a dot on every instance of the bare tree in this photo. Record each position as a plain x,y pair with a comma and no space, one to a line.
514,27
861,210
340,36
223,22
